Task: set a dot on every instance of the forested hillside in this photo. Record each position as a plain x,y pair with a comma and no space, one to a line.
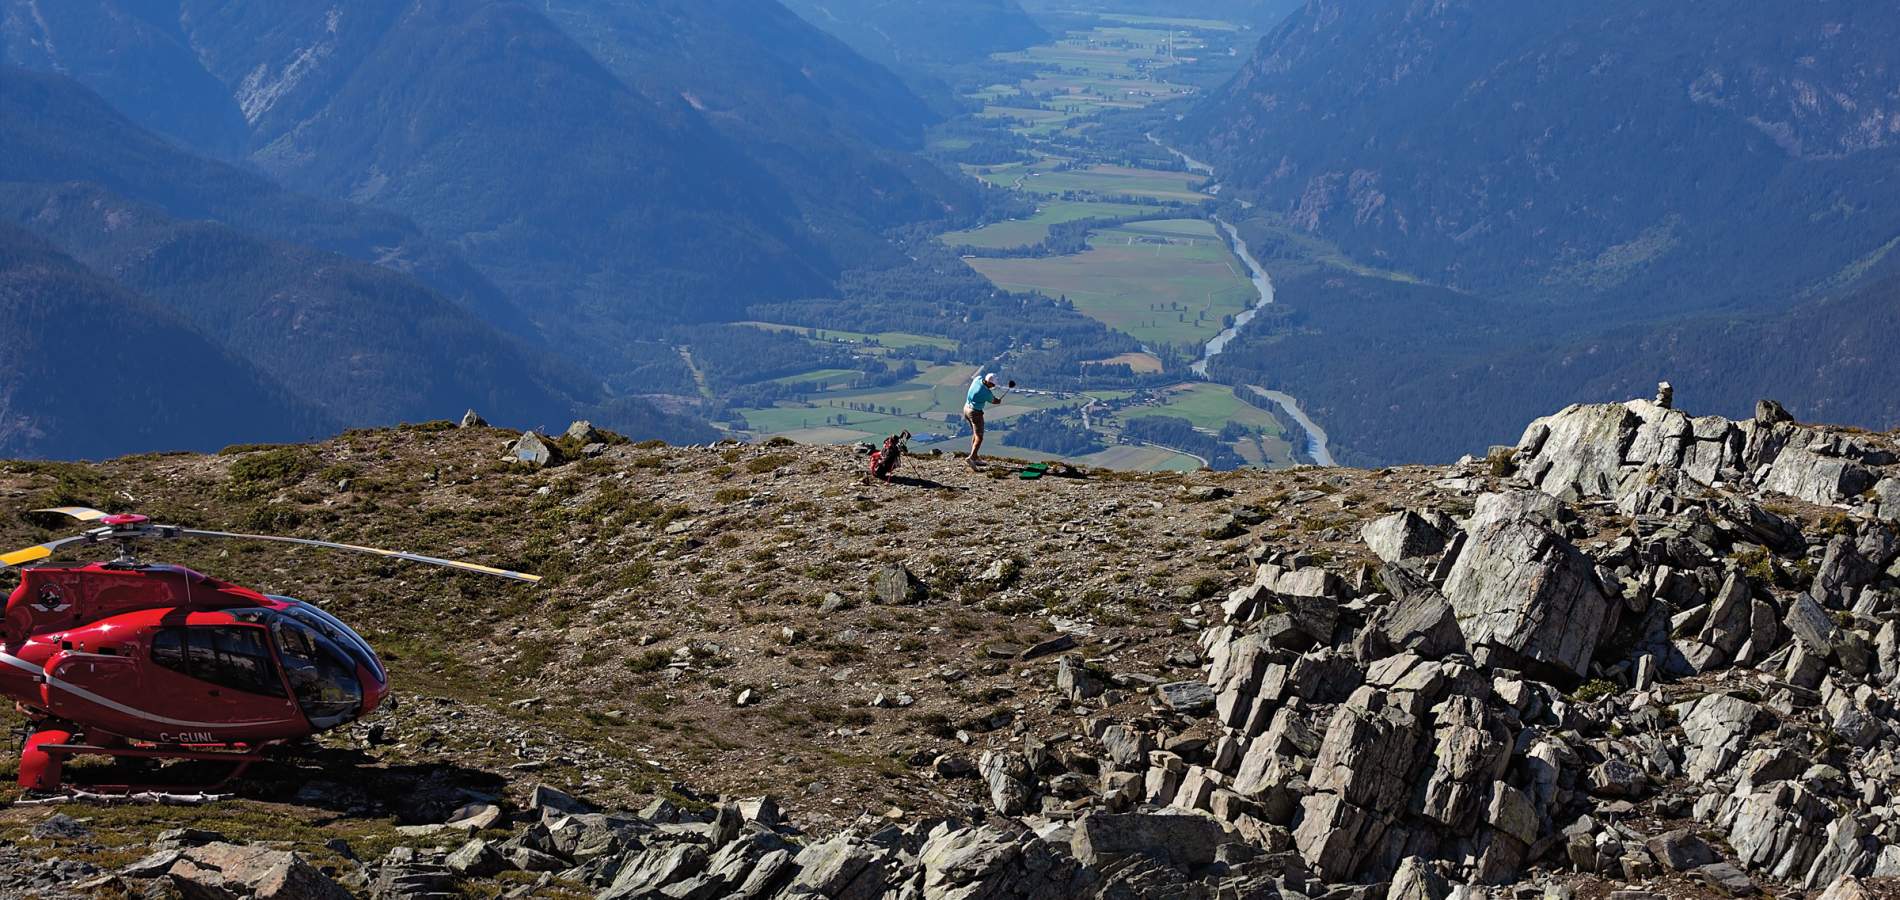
1478,210
1568,150
363,343
89,369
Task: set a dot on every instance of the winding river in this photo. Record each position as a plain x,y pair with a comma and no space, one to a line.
1316,446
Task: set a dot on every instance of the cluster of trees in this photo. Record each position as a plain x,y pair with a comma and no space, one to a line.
730,356
1179,434
1053,431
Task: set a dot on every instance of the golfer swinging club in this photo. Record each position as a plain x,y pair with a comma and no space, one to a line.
982,392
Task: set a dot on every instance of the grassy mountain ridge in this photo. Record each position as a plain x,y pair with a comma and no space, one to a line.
91,369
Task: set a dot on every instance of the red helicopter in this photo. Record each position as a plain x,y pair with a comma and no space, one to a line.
147,661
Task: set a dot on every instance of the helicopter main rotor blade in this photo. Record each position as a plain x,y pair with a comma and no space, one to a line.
82,513
37,552
374,551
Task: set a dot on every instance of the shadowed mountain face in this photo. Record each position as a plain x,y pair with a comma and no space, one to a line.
924,32
1575,150
829,125
90,369
363,343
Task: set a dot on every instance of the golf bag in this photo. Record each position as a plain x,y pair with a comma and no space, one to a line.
884,460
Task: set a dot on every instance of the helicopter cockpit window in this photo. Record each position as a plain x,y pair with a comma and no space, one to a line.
236,658
321,673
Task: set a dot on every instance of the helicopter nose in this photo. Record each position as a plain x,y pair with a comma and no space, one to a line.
375,688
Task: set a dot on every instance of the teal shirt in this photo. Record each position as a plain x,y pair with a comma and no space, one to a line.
980,394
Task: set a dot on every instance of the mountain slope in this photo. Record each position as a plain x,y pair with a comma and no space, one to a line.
924,32
830,126
52,130
365,344
134,52
584,200
1570,151
89,369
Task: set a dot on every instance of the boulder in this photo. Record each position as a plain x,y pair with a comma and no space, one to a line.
1010,781
1579,451
1181,838
1402,536
1717,727
895,586
1525,597
1805,475
991,861
1361,780
222,869
532,450
644,873
1846,887
476,859
472,419
1471,752
1076,681
1681,850
584,432
1186,696
1416,879
1886,496
842,868
1419,620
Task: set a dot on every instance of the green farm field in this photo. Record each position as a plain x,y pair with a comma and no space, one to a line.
1208,406
1118,181
1161,293
883,339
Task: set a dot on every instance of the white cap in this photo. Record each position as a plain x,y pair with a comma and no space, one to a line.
990,378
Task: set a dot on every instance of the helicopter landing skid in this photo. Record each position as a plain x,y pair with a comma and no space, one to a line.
43,761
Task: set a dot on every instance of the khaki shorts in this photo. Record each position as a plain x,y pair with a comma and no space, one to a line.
975,417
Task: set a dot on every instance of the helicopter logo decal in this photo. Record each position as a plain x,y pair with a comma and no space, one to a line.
51,600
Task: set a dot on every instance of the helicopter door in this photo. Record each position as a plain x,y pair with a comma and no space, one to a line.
228,677
321,673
